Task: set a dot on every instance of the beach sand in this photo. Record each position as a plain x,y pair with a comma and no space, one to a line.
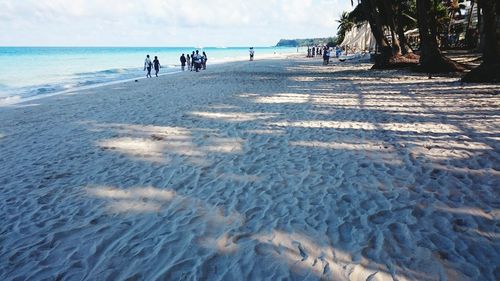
277,169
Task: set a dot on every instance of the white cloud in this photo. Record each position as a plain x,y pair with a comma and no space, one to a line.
165,22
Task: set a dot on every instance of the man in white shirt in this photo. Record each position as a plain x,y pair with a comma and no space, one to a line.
197,61
252,53
148,65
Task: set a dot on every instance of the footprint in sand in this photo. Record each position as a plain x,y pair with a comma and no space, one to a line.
302,252
380,217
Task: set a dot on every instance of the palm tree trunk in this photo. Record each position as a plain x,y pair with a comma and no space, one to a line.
431,58
491,41
405,48
488,71
374,19
389,12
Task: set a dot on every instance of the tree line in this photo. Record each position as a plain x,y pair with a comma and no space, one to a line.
330,41
389,19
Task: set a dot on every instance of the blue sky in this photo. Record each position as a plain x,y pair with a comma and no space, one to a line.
165,22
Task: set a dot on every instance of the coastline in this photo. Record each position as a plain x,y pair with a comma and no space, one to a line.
17,99
265,170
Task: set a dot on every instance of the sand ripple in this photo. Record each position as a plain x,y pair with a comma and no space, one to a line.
260,174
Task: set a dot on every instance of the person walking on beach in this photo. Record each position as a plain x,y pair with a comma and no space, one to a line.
156,64
192,61
183,62
252,53
202,61
197,61
147,66
326,56
188,60
205,58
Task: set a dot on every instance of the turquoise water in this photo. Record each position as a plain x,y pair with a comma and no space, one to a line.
31,71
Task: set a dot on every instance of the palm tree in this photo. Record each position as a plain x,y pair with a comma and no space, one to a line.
345,24
431,58
406,17
387,22
488,71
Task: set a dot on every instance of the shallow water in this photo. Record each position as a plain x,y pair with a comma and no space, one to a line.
31,71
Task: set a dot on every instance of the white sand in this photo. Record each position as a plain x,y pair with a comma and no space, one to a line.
271,170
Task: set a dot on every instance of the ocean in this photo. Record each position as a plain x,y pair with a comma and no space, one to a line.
27,72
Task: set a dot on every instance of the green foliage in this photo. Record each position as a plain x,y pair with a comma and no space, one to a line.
345,24
357,15
440,11
409,14
305,42
287,43
332,42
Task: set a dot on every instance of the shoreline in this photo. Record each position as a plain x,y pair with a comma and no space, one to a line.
10,101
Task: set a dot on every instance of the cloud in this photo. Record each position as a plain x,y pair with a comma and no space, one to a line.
108,21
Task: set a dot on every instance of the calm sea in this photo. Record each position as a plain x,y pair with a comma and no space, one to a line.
31,71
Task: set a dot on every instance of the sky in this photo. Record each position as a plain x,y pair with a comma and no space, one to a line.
165,22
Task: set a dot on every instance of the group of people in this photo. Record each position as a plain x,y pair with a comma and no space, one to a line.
325,52
148,65
195,62
315,50
319,51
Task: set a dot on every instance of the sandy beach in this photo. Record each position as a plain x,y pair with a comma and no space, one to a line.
277,169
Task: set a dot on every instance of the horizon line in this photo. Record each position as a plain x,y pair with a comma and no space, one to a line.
122,46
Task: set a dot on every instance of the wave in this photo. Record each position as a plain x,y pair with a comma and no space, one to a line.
9,95
9,100
46,89
107,71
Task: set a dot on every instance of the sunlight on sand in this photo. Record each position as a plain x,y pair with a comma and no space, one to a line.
223,244
468,171
223,107
161,144
485,234
144,192
438,150
306,79
265,132
305,254
224,145
135,147
151,199
343,146
423,127
326,124
134,207
232,116
135,200
241,178
283,98
474,212
448,149
142,130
